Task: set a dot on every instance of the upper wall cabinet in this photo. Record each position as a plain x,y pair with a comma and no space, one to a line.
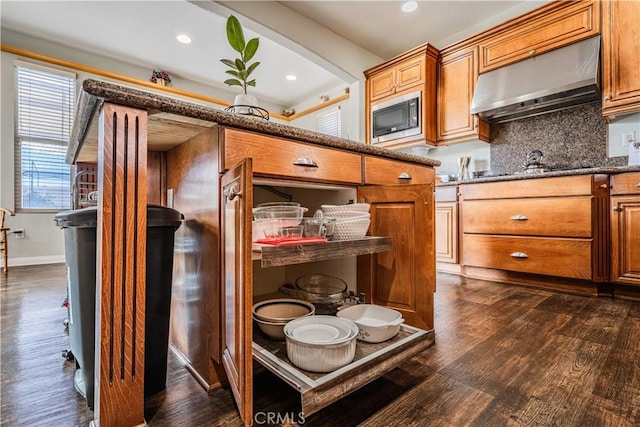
457,76
398,78
544,29
414,70
620,57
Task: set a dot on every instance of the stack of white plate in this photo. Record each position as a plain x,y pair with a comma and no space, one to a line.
321,343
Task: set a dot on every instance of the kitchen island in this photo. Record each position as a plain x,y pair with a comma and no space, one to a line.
214,167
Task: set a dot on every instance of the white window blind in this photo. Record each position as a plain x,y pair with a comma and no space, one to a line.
330,123
44,114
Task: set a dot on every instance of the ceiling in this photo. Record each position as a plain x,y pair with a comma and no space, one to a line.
143,33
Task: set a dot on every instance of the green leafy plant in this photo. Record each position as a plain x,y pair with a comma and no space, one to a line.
240,68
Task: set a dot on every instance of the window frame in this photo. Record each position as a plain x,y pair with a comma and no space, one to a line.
20,140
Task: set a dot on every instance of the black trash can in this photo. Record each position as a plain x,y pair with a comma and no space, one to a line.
80,255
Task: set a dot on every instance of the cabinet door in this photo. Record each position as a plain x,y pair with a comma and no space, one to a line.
447,232
620,47
382,84
237,279
457,78
409,74
545,29
403,278
625,228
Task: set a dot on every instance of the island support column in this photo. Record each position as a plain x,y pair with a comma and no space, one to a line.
121,263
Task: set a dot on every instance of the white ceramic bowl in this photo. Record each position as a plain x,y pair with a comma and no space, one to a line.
362,207
375,323
323,356
282,309
351,230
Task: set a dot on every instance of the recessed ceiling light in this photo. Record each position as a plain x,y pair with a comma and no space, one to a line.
409,6
183,38
291,77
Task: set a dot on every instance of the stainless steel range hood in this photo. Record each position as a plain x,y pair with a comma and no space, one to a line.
553,81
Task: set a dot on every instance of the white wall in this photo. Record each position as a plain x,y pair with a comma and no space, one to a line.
351,113
617,128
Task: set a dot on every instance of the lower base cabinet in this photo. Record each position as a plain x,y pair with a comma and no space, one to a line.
394,267
625,229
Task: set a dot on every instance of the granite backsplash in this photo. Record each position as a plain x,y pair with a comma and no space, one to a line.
573,138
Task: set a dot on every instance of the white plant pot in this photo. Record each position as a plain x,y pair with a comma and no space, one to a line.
244,99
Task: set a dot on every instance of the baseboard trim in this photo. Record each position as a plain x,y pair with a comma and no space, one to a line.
36,260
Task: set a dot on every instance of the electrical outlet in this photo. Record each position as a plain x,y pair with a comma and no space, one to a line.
19,233
628,138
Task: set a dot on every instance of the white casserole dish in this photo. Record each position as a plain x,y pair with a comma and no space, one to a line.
375,323
321,356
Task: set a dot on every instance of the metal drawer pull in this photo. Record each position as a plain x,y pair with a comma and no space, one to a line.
519,218
519,255
305,161
404,175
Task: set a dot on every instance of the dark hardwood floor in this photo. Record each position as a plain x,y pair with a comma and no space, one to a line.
504,355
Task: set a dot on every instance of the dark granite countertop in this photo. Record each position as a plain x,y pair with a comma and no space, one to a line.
95,92
570,172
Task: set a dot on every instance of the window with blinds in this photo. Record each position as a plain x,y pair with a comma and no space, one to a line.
330,123
44,114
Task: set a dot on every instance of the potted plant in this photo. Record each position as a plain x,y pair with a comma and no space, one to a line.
240,68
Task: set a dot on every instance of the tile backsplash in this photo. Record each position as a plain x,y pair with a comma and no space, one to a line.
571,138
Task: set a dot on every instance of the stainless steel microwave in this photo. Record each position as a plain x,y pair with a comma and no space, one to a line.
397,118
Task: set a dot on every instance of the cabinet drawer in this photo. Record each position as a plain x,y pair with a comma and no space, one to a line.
579,185
562,217
383,171
537,255
274,156
625,183
540,33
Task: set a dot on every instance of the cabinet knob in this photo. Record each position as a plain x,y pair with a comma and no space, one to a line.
404,175
616,209
638,185
606,97
603,186
305,161
519,217
519,255
233,192
532,51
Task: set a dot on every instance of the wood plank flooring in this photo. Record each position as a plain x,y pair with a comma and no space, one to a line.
504,356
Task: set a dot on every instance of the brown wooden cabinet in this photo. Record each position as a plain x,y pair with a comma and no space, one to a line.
397,78
447,224
397,272
620,57
414,70
403,279
547,226
457,77
549,27
625,228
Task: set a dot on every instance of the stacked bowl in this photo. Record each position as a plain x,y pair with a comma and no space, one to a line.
321,343
272,315
352,220
277,219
